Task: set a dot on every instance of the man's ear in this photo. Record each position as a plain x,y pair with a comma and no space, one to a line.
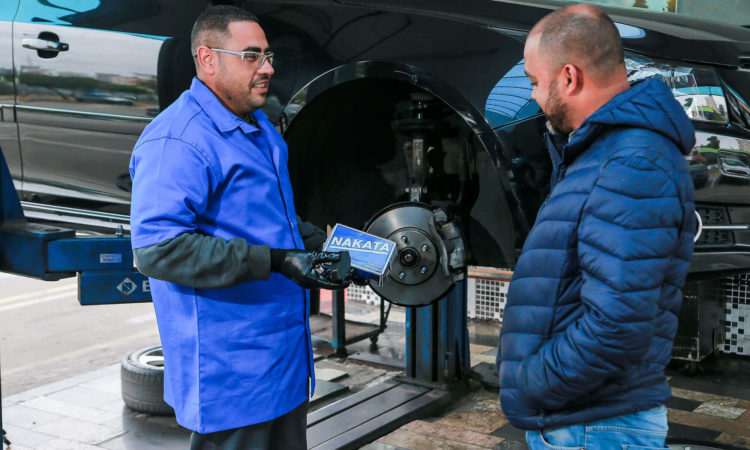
572,79
206,59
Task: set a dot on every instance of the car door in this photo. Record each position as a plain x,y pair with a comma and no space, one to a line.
8,127
91,74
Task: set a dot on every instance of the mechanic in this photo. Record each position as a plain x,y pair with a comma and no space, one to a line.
213,224
592,308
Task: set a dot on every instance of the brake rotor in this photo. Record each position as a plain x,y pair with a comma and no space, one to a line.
417,277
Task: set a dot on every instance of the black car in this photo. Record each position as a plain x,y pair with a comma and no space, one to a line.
381,102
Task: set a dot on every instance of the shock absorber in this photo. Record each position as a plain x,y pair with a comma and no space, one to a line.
417,121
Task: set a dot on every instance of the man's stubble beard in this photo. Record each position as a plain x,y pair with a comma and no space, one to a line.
556,112
242,97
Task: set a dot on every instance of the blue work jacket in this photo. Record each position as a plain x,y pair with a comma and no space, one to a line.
240,355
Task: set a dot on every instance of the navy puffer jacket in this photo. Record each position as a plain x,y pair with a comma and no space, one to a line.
592,307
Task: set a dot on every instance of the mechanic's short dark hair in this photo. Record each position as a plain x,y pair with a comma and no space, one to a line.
588,38
212,26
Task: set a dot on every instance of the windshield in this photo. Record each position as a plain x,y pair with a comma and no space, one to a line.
733,12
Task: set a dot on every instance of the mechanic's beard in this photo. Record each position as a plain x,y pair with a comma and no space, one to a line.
556,112
258,100
229,92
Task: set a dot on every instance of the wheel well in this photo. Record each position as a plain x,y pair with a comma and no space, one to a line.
347,161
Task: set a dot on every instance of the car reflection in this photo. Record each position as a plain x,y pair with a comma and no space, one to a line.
510,99
699,174
734,165
152,110
696,88
718,159
704,107
104,97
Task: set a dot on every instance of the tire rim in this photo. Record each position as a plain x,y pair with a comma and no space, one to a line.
152,358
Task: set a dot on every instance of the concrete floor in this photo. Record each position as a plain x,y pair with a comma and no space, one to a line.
86,411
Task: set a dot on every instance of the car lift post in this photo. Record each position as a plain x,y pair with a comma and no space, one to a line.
103,264
436,369
437,343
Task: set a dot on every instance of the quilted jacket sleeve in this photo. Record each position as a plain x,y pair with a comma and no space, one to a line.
629,228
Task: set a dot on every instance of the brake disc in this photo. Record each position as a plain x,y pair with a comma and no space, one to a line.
429,253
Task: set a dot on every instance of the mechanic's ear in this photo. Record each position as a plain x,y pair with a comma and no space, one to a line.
328,230
205,59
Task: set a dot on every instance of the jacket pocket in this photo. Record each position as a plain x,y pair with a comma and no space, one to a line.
257,350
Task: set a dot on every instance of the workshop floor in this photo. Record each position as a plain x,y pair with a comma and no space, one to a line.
86,411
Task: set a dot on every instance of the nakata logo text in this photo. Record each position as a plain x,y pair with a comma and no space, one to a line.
363,245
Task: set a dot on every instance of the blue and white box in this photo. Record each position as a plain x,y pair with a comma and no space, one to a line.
371,255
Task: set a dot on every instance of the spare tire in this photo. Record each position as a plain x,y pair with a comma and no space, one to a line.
142,380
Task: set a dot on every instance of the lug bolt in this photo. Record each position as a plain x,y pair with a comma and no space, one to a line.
423,270
425,247
401,276
404,239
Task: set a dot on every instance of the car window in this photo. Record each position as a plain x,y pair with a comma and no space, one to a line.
7,11
733,12
510,99
696,88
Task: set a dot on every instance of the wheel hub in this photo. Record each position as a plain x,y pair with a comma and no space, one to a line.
421,273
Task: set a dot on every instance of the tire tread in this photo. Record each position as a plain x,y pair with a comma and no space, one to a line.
143,386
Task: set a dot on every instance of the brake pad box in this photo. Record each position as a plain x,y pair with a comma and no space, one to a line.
370,255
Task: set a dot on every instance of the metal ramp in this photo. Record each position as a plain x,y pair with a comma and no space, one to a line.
374,412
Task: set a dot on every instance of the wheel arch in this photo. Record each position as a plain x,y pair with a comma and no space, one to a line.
328,83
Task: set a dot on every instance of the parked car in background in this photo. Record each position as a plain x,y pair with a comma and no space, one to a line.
361,87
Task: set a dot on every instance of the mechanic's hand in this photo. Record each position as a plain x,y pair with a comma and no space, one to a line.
356,279
313,270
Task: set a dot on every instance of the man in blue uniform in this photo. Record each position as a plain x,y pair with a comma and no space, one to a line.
214,226
592,308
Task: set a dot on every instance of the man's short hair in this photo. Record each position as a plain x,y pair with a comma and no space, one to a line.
211,28
585,38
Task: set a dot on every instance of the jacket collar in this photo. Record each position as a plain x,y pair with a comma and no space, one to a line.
649,105
224,119
581,138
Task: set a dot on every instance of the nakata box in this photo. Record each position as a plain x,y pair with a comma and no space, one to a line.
371,255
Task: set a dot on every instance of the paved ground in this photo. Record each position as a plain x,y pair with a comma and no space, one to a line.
46,336
86,411
704,411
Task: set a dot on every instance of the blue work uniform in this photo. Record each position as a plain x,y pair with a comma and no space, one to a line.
239,355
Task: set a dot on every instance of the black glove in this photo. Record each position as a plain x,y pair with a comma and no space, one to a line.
356,279
312,270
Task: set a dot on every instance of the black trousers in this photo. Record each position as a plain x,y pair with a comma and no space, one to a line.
286,432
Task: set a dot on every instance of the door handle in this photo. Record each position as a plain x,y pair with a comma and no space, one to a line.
44,45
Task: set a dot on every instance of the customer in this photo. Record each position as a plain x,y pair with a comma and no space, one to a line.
592,308
214,226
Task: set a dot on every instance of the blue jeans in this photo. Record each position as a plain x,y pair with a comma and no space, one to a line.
643,430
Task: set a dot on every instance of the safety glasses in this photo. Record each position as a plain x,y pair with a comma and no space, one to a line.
256,58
